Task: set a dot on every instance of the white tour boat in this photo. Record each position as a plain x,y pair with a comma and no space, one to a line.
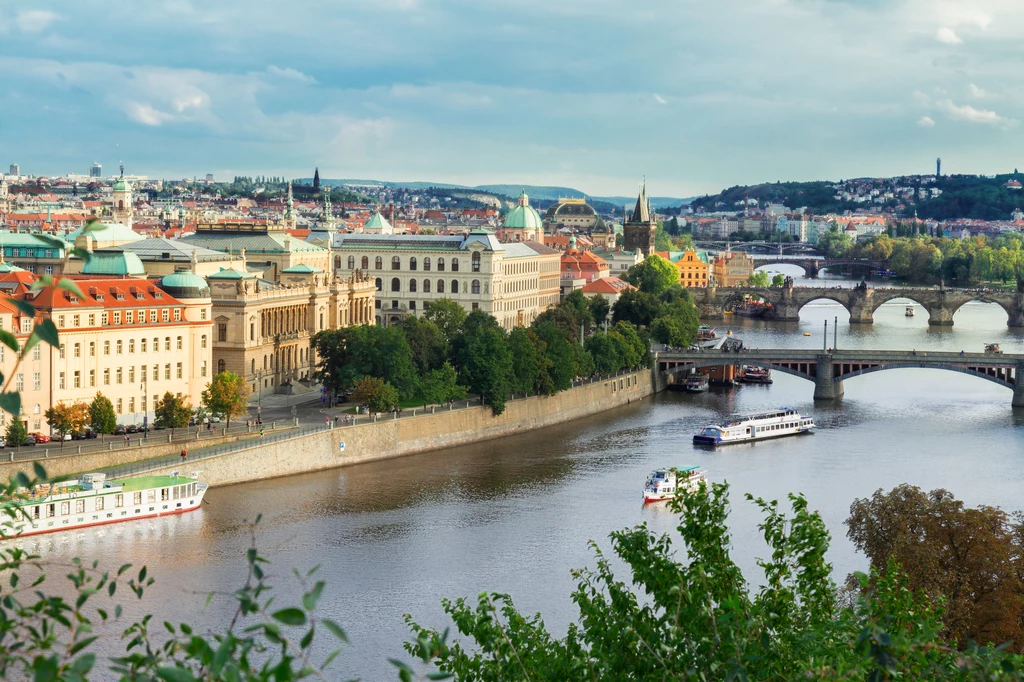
664,484
755,426
93,500
909,311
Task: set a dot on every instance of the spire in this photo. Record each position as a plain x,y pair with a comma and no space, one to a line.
289,211
328,214
642,210
316,179
524,199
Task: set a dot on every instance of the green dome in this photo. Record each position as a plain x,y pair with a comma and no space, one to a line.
121,185
523,217
114,263
183,280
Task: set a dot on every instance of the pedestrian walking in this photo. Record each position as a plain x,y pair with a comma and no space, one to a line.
261,432
184,455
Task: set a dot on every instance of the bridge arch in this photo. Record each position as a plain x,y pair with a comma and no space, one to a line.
877,299
725,360
1008,309
1004,382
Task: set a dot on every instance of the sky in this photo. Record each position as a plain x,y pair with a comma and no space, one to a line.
592,94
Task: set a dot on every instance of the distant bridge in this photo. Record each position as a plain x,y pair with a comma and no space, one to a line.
828,371
861,302
805,256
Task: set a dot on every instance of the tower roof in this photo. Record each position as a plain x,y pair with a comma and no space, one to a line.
642,210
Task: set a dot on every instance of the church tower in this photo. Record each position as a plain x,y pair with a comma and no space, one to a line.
316,180
328,211
122,201
639,228
289,210
5,199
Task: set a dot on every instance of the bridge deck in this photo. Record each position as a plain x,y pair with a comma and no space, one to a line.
839,356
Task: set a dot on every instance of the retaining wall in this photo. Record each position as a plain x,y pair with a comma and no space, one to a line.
397,437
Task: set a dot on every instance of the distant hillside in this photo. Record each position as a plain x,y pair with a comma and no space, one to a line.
817,196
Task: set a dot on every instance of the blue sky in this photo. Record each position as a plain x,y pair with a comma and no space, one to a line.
593,94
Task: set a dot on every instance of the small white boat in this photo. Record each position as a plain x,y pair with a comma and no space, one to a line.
665,484
93,501
755,426
698,383
910,311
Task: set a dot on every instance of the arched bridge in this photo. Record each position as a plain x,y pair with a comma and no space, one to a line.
828,371
812,265
861,302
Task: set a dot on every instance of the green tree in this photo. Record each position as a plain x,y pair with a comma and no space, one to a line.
606,353
522,347
375,393
759,279
102,417
778,280
636,349
486,364
447,315
441,385
16,432
654,275
670,331
227,395
427,343
172,412
559,354
600,309
64,418
636,307
334,370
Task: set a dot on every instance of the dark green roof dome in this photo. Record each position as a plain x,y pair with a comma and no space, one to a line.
185,284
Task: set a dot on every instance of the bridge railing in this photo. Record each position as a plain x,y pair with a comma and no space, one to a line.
800,354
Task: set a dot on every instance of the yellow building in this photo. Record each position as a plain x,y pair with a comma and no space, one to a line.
732,269
694,269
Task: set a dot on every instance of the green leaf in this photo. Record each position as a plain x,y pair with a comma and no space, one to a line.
290,616
334,629
11,403
82,643
70,285
175,675
310,599
307,639
9,340
81,253
439,676
84,664
41,283
40,472
47,331
24,307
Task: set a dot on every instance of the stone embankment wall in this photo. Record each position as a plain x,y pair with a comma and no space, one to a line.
408,435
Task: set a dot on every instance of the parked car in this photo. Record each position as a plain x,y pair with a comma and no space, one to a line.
142,428
78,434
132,428
67,436
3,442
214,419
39,438
29,440
89,433
120,430
159,427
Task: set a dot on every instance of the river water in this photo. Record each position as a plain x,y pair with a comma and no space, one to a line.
514,515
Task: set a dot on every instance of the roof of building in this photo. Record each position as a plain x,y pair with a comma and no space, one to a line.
377,222
105,292
523,216
257,242
569,207
106,232
642,210
158,248
301,268
415,242
186,279
607,285
230,273
114,263
21,239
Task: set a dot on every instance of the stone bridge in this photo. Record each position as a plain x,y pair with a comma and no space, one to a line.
812,265
828,371
861,302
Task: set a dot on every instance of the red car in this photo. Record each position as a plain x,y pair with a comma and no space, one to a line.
40,438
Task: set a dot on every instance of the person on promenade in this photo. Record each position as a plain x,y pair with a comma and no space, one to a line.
261,432
184,455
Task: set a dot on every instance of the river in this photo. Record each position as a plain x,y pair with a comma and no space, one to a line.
514,515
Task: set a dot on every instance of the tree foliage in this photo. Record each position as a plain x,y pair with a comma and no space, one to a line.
375,393
227,395
441,385
102,418
172,412
15,433
65,418
653,275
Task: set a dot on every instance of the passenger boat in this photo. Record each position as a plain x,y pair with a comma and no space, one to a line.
698,383
706,333
755,426
910,311
664,484
93,500
755,375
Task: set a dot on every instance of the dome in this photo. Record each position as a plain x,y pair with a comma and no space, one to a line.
121,185
107,232
114,263
185,284
523,218
567,207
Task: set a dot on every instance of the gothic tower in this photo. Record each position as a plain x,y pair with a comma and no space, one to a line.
316,180
639,228
121,200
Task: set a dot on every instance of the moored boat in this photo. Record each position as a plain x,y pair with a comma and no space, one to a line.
93,500
785,421
698,383
755,375
665,484
706,333
909,311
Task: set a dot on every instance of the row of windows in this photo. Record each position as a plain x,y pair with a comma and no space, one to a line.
396,285
119,376
178,492
413,264
129,317
119,345
412,306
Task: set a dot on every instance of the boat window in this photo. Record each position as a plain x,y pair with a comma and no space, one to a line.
164,494
99,504
175,491
137,498
50,509
65,508
118,500
748,429
35,512
79,506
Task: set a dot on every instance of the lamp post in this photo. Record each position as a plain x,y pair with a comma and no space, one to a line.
835,334
824,337
259,396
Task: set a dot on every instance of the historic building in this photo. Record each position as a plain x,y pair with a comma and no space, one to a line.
602,235
694,268
639,227
121,201
262,329
732,269
573,214
522,224
29,252
514,282
584,265
268,249
160,257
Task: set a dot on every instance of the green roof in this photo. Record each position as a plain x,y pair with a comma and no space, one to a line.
116,263
144,482
108,232
230,273
233,242
301,268
377,222
184,280
6,267
523,218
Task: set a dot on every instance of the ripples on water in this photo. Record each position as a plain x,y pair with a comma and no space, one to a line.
514,515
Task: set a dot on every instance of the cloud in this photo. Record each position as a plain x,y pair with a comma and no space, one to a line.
926,122
948,36
968,113
290,74
975,91
659,99
35,20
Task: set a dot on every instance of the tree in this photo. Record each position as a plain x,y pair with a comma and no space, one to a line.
966,559
172,412
333,368
486,365
605,352
635,307
759,279
441,385
427,343
102,418
600,309
16,432
522,347
778,280
375,393
636,349
654,275
559,353
64,418
447,315
670,331
227,395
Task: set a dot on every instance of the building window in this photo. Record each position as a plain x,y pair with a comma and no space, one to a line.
26,325
60,321
37,352
92,320
376,304
131,346
412,305
117,318
253,362
426,264
351,262
475,259
106,377
37,381
440,264
455,264
412,263
222,331
426,286
167,371
202,342
92,349
202,314
167,343
177,314
104,319
131,404
412,286
119,346
179,370
455,286
179,343
92,378
142,369
156,371
202,369
366,263
380,284
164,316
106,348
129,316
78,379
62,351
475,287
120,406
221,366
396,263
394,305
131,374
396,285
476,306
76,320
60,383
19,382
440,286
118,375
378,263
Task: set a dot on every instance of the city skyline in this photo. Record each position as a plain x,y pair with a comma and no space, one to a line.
695,97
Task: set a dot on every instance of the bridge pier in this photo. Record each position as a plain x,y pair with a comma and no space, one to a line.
1018,386
861,314
1015,313
825,385
940,317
